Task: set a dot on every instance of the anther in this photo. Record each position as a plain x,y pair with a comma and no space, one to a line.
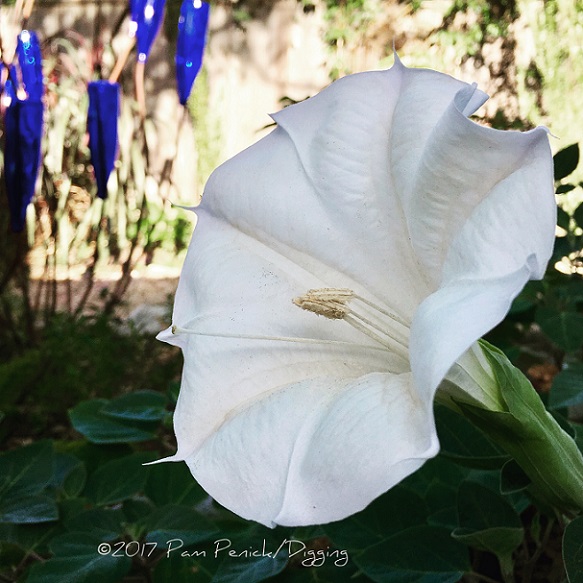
333,304
328,302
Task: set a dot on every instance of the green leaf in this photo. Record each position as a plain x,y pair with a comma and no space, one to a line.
578,215
77,560
394,511
28,509
249,570
30,537
105,523
140,406
27,470
118,480
421,554
512,478
89,419
70,474
180,523
253,554
329,572
567,387
565,161
487,521
573,550
462,442
564,188
183,569
437,483
138,508
172,483
565,329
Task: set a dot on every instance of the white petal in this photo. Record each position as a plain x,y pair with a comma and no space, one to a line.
488,256
318,189
449,321
317,450
461,164
229,297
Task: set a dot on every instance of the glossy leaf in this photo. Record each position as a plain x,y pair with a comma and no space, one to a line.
192,30
102,128
28,509
89,420
140,406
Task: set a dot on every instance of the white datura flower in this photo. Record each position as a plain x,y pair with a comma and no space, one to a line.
341,268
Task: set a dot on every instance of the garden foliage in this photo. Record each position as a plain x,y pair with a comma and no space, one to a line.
85,508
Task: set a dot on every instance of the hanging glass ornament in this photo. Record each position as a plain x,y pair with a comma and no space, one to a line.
102,128
192,29
30,61
148,16
23,126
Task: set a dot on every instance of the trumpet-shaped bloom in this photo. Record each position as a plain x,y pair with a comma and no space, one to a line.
339,269
192,27
102,128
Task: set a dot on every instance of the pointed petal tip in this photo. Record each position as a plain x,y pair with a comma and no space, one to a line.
172,458
397,62
165,335
170,336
